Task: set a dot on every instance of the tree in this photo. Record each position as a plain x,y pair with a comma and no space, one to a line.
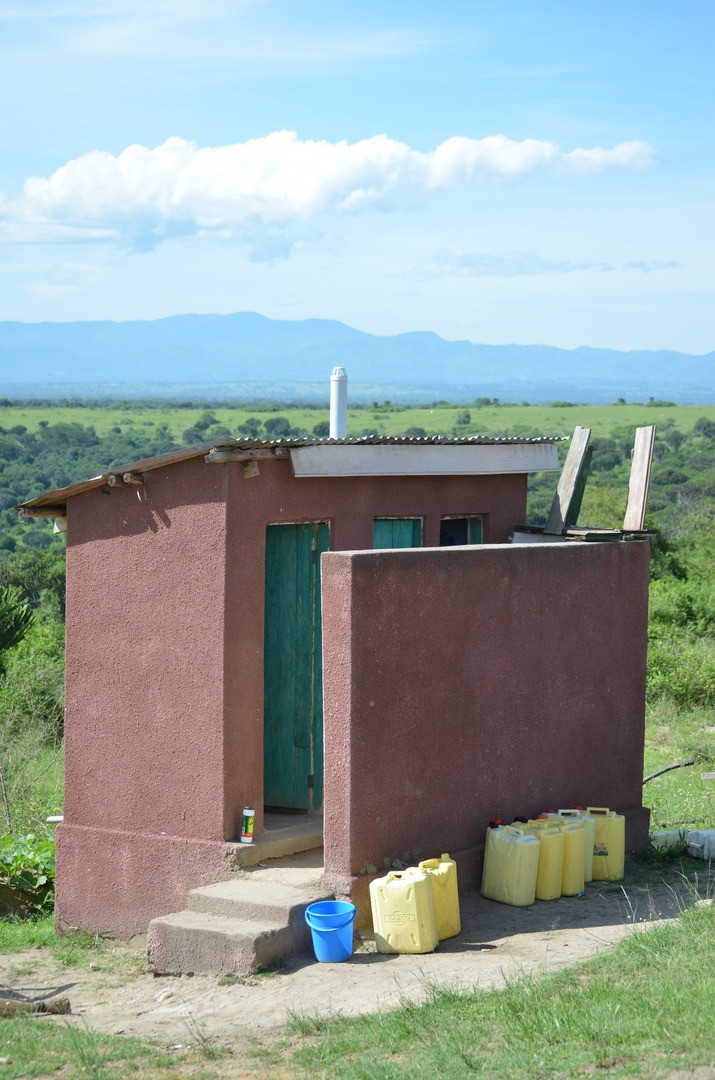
278,427
705,427
250,427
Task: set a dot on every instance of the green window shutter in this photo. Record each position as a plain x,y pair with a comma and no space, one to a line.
397,532
475,531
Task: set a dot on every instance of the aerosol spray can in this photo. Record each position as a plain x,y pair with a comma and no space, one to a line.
249,816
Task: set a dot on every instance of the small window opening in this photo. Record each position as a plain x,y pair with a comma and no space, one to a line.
454,532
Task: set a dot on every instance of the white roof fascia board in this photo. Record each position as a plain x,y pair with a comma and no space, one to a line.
429,460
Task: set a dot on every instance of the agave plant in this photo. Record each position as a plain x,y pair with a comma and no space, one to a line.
16,618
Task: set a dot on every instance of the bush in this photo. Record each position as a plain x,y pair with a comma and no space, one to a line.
32,689
705,427
683,605
39,576
16,618
681,670
27,865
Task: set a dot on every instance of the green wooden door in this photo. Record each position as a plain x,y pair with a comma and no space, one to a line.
293,668
397,532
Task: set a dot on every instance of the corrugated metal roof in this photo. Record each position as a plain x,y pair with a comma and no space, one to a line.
56,500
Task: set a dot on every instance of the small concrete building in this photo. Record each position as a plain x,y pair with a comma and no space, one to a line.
194,682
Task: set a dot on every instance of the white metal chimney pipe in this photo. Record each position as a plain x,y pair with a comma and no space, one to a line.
339,403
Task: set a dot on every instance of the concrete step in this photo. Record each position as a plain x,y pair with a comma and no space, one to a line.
284,834
238,925
193,942
263,895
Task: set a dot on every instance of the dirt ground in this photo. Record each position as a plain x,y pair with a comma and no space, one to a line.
496,942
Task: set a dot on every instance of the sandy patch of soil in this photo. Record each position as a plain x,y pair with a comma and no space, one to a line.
496,942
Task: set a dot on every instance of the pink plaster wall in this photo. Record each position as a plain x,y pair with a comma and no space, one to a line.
349,505
144,675
144,690
463,684
164,684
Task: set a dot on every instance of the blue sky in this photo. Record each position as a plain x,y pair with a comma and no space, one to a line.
496,171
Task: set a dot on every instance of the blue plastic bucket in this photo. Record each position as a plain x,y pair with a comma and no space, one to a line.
331,924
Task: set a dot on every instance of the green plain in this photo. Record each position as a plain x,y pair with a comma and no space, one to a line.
437,420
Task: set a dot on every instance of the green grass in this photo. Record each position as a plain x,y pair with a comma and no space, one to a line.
37,1047
636,1012
680,797
515,419
76,950
34,783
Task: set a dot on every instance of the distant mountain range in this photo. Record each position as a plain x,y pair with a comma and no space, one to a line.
247,356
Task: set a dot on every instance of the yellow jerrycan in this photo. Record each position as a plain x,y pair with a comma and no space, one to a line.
403,912
609,848
551,858
589,824
443,875
572,877
511,861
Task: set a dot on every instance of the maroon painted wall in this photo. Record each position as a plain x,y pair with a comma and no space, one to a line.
349,505
144,690
164,685
462,684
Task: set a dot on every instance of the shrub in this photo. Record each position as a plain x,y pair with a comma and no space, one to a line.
39,576
683,605
705,427
16,618
27,865
681,670
32,689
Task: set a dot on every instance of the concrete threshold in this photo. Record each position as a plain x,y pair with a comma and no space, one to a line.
283,835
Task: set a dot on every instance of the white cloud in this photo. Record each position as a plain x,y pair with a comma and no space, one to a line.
518,264
647,267
143,196
512,264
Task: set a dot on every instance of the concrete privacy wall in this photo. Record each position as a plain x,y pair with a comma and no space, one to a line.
462,684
